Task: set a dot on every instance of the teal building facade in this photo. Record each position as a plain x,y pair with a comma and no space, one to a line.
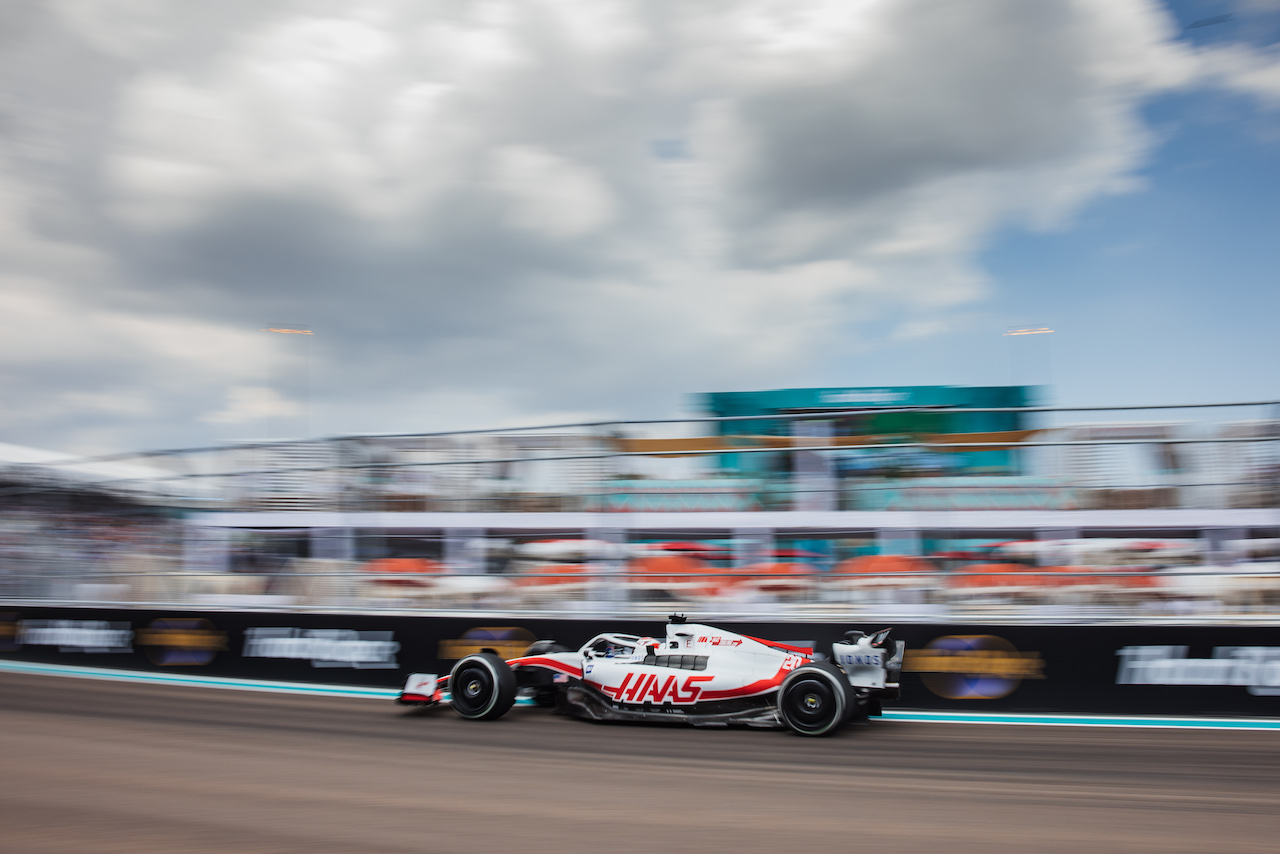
893,415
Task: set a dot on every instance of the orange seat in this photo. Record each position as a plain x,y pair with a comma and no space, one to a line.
992,575
882,564
560,573
882,571
404,567
1095,576
778,577
666,568
674,569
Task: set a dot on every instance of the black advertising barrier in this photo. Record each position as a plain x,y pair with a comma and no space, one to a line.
1137,669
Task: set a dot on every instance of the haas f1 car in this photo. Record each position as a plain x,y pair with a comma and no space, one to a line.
697,674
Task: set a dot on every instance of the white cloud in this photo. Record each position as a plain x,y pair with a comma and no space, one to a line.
46,324
331,108
464,194
253,403
121,27
1244,69
126,403
70,362
915,330
605,26
549,195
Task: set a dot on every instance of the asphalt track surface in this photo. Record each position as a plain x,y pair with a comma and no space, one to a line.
111,767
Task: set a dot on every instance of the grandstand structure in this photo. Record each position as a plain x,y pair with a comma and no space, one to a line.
463,517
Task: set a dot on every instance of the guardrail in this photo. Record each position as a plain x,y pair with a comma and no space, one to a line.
621,466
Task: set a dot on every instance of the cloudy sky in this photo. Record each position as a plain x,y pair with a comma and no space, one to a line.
497,213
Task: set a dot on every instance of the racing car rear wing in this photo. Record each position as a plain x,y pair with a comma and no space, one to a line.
870,661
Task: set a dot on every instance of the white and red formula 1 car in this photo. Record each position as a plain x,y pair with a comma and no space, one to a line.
697,674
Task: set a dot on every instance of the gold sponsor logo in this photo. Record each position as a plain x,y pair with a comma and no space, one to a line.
182,638
8,632
977,662
181,641
973,667
506,641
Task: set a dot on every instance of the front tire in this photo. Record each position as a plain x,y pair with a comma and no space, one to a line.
482,687
815,699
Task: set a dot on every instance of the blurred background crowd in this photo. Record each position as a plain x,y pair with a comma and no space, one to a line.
926,500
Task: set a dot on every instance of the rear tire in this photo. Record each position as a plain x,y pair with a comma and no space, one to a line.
815,699
482,687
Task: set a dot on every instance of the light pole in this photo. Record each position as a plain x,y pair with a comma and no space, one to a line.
1022,455
300,329
1014,331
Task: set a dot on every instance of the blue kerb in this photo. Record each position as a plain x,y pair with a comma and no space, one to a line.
316,689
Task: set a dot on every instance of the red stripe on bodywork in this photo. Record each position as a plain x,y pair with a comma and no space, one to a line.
548,663
803,650
762,686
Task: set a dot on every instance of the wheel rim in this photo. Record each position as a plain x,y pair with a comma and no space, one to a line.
810,704
476,690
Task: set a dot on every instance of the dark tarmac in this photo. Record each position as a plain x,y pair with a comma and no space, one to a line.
105,767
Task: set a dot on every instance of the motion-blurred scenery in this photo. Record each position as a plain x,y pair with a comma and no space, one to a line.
370,350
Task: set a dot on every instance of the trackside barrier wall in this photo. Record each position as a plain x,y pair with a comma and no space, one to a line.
1140,669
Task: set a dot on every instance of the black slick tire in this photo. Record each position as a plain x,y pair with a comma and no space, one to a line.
815,699
482,687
